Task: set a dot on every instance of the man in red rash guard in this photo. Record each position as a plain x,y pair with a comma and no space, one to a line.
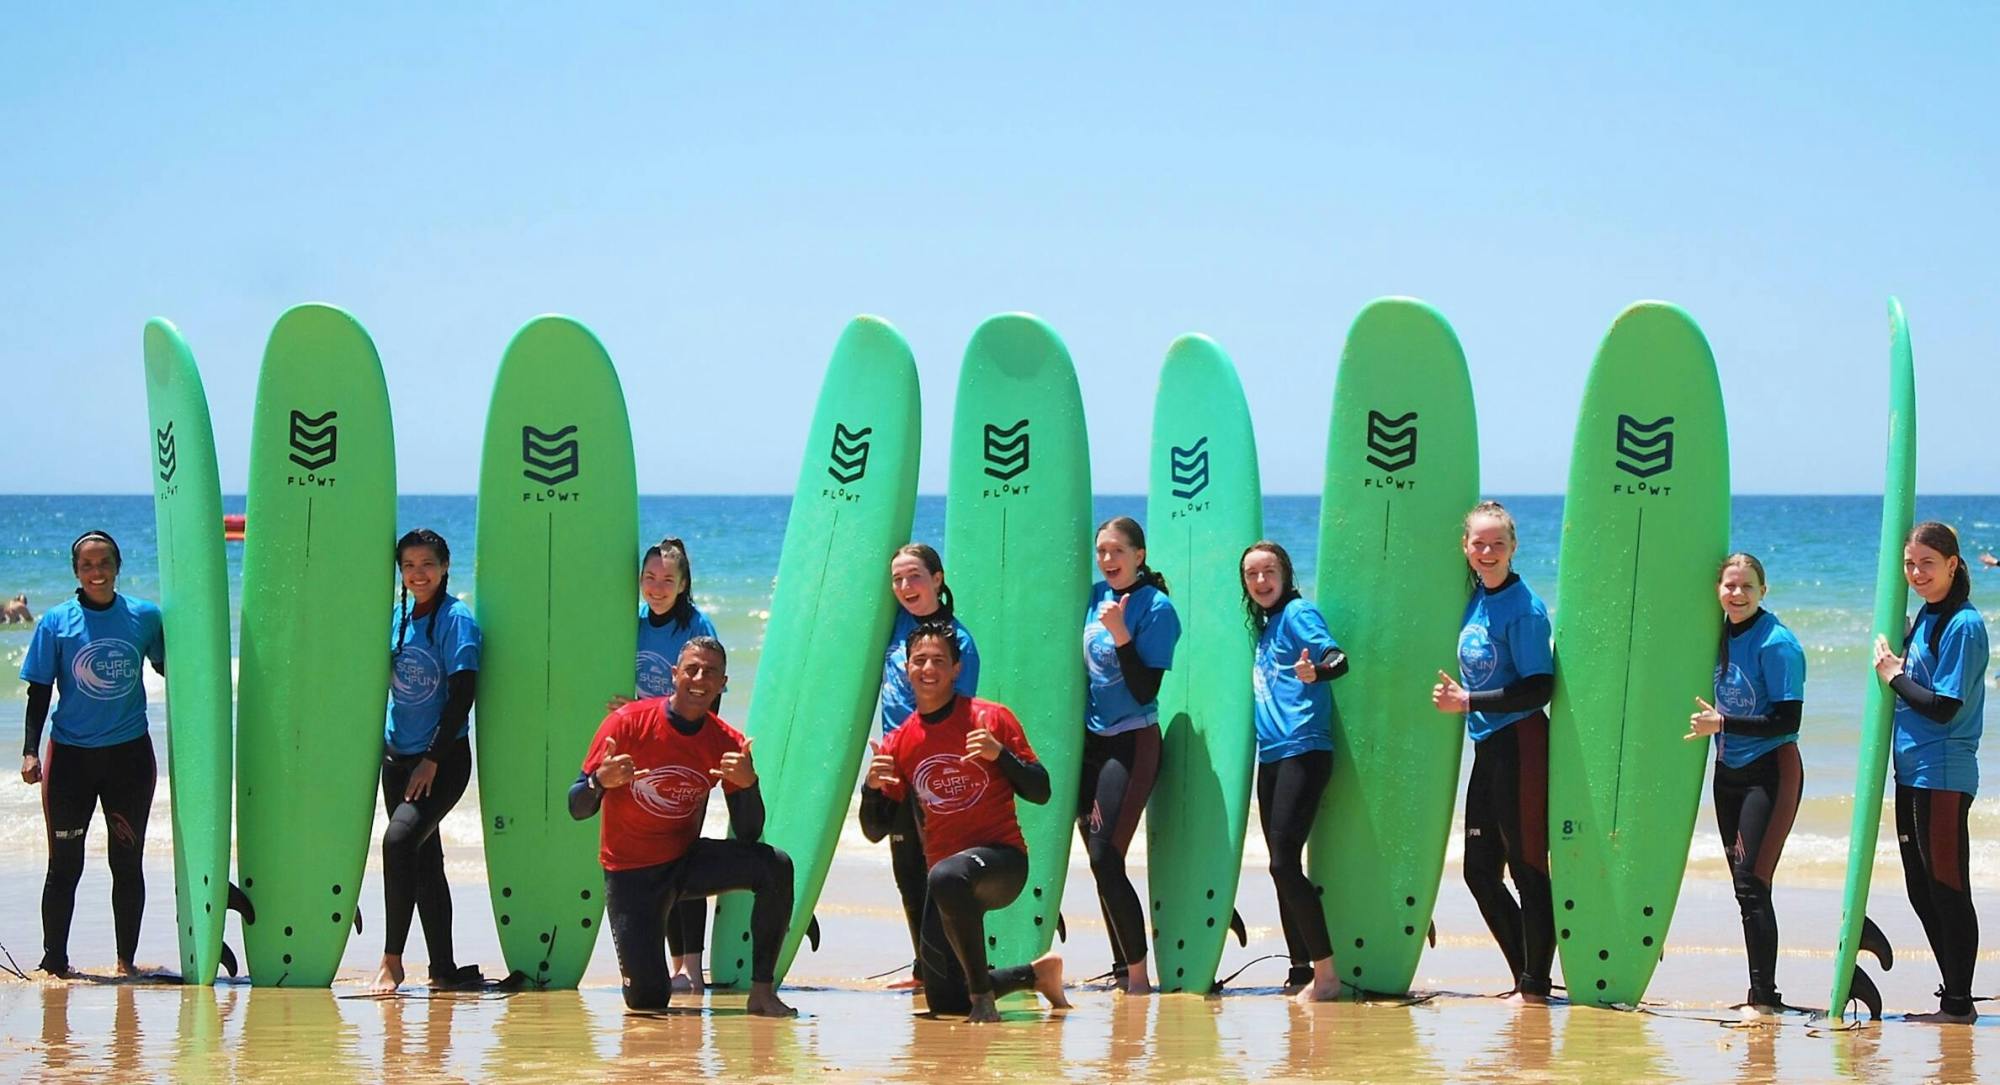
966,760
649,769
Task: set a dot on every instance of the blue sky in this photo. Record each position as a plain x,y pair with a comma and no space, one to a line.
715,190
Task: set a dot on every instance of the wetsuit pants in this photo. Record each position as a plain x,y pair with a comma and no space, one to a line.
1507,830
1754,809
413,855
687,924
1118,775
906,860
638,902
951,956
1288,797
75,779
1931,828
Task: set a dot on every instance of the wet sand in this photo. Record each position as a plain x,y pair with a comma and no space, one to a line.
853,1030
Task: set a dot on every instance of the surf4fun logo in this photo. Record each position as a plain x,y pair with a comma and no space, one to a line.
1645,449
315,440
1392,442
166,453
106,670
848,461
1187,468
1477,657
946,784
414,675
1734,694
675,792
550,457
1007,450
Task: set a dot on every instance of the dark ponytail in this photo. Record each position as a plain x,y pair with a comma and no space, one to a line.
1258,616
670,548
1135,537
926,553
1941,538
422,536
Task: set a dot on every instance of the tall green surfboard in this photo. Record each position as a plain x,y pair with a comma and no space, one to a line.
1645,525
830,616
1402,470
318,568
1203,507
194,613
1017,548
1899,494
556,539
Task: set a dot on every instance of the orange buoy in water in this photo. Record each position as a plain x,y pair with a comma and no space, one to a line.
233,525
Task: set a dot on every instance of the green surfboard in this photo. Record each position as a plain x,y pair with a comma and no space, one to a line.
1645,525
194,613
1402,470
1017,544
1203,506
1899,492
821,668
557,523
318,568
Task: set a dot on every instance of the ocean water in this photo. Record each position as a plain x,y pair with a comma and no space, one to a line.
1819,552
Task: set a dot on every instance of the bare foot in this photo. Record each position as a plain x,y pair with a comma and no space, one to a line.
388,977
127,968
1524,998
764,1002
681,983
1049,980
1942,1018
1137,980
983,1011
907,983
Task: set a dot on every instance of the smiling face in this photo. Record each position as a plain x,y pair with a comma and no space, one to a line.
660,583
1928,571
932,673
1489,549
1741,592
96,568
914,585
1117,559
422,572
699,677
1263,578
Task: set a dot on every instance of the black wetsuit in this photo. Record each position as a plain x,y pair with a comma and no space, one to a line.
1288,797
1507,830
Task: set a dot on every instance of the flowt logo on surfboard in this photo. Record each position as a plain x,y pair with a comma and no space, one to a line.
551,457
166,452
1644,450
848,460
1187,468
1390,447
315,445
1006,450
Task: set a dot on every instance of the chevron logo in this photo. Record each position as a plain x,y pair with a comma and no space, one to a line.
1645,449
550,458
315,440
168,456
848,461
1007,450
1392,442
1187,468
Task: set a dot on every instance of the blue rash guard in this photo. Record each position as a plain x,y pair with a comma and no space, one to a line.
660,648
434,647
898,701
1764,666
93,657
1292,717
1944,756
1155,629
1505,638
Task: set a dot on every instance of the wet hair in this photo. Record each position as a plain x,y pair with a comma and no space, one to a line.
933,564
1941,538
94,535
1135,537
934,629
670,548
422,536
1258,616
1746,560
707,644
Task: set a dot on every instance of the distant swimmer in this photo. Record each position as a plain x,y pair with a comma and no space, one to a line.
916,579
668,619
1129,633
960,762
1759,691
434,647
15,611
87,653
1296,658
1989,561
649,769
1506,675
1939,682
